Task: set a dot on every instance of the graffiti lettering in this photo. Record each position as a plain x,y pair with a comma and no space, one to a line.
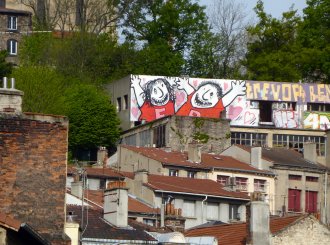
285,119
317,120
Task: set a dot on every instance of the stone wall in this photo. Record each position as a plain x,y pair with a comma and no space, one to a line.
33,172
306,231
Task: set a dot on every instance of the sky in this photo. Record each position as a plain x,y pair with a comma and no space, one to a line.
273,7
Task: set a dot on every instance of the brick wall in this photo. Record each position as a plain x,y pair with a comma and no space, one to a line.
307,231
33,172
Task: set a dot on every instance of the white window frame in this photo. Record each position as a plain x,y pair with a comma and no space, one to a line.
12,47
189,209
12,23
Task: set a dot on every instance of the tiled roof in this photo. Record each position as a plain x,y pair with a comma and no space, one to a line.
8,222
190,185
235,234
208,161
108,173
134,205
285,157
98,228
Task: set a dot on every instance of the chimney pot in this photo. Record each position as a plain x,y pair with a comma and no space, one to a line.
12,83
5,82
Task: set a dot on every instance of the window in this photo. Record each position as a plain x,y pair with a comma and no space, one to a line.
102,184
173,172
119,104
297,142
12,23
145,138
294,200
311,201
222,179
265,109
125,102
318,107
191,174
150,222
251,139
284,106
188,209
294,177
233,212
212,211
130,140
3,3
241,183
12,47
259,185
312,179
159,136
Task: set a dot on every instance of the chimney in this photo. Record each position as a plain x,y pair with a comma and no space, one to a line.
257,221
102,156
255,159
77,187
10,98
115,205
310,151
141,175
194,153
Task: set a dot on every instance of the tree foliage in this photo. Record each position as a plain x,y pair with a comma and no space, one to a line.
93,120
271,53
5,67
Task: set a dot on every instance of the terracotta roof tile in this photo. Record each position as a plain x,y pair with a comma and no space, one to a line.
235,234
208,160
98,172
190,185
9,222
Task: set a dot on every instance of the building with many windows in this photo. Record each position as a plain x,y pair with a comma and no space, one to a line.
13,25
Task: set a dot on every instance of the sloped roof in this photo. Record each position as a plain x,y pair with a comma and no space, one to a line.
98,228
235,234
208,160
8,222
134,204
107,173
14,11
285,157
191,186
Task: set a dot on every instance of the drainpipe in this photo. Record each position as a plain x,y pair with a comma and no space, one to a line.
203,208
325,197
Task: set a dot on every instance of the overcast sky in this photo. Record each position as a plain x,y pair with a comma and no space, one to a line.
273,7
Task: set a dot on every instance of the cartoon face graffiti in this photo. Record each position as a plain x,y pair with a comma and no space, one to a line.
158,92
155,98
207,95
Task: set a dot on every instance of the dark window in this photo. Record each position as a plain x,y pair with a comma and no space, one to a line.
252,139
312,179
265,111
318,107
3,3
311,201
173,172
294,200
118,104
159,136
191,174
12,47
294,177
12,23
102,184
125,102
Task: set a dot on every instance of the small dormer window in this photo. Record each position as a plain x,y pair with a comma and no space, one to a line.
12,23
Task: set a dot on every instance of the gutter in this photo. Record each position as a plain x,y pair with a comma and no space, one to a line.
116,241
27,228
246,171
202,195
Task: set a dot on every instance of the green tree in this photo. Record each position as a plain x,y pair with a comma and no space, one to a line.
93,119
164,31
43,88
5,67
272,48
314,38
